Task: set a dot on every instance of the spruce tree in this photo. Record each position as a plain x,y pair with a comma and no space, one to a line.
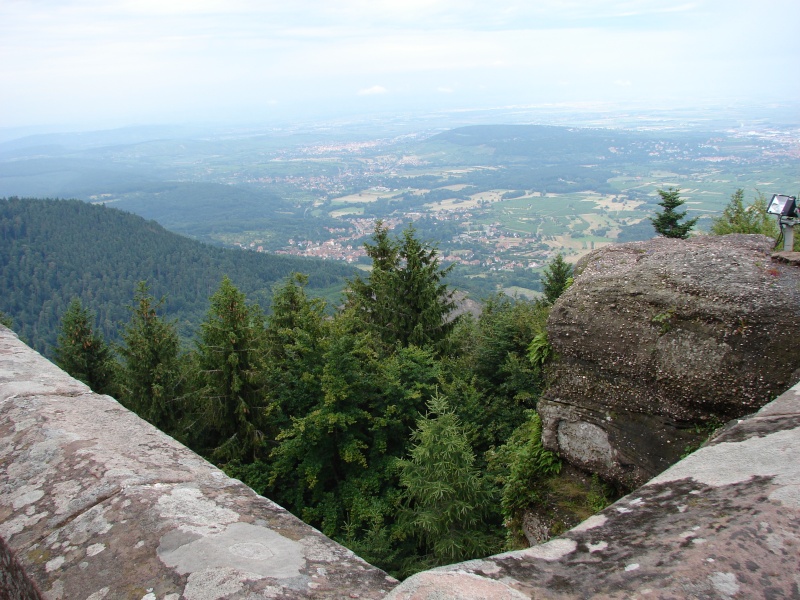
446,496
150,376
526,468
668,223
295,338
404,301
425,303
557,278
229,361
738,218
327,449
82,352
371,301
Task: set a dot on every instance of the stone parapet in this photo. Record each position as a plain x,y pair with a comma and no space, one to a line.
722,523
95,503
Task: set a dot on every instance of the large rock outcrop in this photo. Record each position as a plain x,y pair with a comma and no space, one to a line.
660,340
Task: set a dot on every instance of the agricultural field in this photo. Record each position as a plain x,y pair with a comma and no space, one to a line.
498,200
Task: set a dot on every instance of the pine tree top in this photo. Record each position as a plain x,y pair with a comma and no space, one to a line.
668,223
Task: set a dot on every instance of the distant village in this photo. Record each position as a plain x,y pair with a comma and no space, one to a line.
480,245
488,246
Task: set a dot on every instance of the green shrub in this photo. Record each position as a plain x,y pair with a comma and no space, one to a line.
523,466
738,218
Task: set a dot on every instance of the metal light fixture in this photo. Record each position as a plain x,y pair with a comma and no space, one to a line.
785,206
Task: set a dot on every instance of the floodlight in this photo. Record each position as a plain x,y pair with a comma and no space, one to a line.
782,205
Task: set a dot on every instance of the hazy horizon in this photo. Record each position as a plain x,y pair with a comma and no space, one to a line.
86,64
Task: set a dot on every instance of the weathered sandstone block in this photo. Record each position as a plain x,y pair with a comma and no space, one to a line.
657,340
96,503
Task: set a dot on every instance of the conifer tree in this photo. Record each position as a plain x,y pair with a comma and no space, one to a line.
557,278
425,302
444,491
495,364
370,301
738,218
404,300
150,375
83,353
329,446
229,360
526,468
668,223
295,337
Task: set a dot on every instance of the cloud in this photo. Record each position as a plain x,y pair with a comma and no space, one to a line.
373,91
137,58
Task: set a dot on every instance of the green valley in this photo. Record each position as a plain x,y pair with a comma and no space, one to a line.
55,250
498,200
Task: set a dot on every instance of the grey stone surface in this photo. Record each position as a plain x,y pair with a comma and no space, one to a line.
788,257
659,339
722,523
96,503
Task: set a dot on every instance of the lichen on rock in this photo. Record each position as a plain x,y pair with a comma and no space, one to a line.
658,341
96,503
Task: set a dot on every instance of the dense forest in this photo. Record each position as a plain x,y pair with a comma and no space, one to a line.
204,209
54,250
542,144
405,433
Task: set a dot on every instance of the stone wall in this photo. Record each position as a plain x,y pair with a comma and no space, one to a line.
95,503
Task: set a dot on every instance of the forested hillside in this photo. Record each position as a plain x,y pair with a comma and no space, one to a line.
543,144
54,250
406,433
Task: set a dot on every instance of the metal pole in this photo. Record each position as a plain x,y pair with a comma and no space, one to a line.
788,237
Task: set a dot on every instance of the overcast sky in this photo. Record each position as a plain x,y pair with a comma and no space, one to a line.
113,62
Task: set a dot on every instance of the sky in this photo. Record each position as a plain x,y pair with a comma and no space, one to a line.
93,63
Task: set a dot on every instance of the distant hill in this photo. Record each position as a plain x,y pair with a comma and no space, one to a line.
536,157
203,210
540,143
54,250
547,145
